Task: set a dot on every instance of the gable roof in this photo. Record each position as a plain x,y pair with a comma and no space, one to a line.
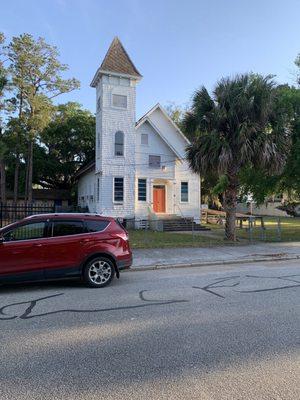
85,168
151,111
147,118
118,62
168,130
165,140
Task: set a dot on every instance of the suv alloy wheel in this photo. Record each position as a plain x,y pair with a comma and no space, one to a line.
99,272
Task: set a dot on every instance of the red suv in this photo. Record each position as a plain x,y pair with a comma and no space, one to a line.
53,246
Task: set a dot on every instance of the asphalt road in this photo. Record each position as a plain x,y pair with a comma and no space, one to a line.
199,333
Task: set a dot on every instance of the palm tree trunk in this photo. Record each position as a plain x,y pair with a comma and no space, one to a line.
2,181
230,204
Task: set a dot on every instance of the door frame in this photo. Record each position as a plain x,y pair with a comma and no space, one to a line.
160,186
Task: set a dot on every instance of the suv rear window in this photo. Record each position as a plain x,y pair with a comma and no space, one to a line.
65,228
95,226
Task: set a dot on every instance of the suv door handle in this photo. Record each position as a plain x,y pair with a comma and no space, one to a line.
37,245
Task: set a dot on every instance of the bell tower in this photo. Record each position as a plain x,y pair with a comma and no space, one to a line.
115,83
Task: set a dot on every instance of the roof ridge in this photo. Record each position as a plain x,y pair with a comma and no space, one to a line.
118,60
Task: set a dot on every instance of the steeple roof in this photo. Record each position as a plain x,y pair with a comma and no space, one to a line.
117,61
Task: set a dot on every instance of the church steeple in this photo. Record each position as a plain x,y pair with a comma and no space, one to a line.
117,62
115,84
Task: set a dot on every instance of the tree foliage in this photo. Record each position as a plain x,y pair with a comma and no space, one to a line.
290,179
297,63
263,184
236,128
36,77
68,142
3,145
177,113
59,150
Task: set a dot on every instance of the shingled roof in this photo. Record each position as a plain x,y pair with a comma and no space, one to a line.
117,61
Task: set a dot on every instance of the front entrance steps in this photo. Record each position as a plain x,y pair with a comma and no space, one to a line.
166,223
166,216
181,224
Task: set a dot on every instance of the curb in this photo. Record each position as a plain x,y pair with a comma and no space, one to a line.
210,263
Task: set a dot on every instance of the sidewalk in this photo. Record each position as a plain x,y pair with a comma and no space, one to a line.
145,259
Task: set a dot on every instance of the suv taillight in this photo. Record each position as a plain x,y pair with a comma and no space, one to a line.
124,235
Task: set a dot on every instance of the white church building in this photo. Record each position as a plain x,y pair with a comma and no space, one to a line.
140,169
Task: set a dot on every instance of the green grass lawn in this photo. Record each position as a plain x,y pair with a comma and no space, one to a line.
140,239
290,231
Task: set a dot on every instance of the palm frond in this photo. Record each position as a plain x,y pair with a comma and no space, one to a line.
236,125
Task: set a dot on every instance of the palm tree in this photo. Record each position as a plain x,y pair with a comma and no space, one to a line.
234,128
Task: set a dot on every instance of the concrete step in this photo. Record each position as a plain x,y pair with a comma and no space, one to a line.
182,225
167,216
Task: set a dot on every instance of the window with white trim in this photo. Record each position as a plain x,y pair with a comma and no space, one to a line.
119,143
118,190
142,190
184,192
154,161
119,101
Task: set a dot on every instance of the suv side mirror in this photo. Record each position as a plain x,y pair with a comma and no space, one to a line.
2,240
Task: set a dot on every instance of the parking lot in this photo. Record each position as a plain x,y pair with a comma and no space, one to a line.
224,332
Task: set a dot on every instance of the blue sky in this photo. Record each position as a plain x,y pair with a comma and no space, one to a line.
176,45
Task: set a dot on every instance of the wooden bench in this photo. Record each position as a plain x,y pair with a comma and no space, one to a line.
220,216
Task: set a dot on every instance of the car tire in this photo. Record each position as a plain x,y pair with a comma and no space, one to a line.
99,272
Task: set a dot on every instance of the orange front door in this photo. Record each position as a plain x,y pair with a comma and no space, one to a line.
159,199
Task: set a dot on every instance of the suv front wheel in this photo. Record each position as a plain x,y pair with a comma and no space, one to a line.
99,272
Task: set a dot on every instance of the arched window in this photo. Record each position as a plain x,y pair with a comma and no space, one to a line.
119,143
